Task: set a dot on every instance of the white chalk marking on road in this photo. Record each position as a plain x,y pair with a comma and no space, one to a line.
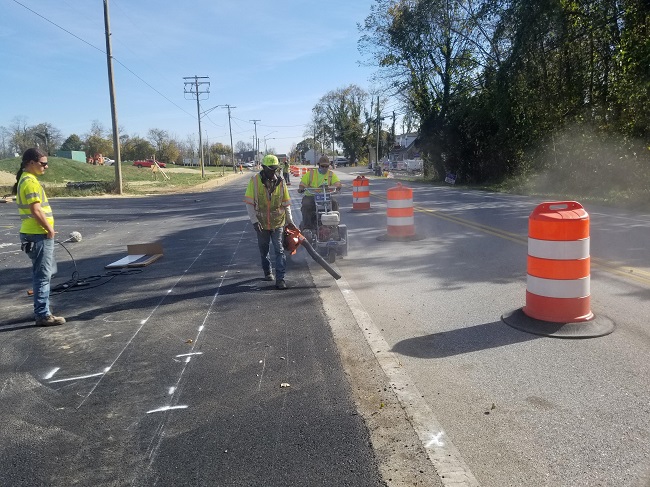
172,390
79,377
155,308
156,439
263,362
449,464
167,408
435,440
51,373
188,354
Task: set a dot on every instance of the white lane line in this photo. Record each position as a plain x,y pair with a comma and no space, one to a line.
449,464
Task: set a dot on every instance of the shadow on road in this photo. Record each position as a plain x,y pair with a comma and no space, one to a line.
462,340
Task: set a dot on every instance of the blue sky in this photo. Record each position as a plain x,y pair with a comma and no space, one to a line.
272,60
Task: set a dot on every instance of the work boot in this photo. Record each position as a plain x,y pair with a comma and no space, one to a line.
50,320
280,284
269,277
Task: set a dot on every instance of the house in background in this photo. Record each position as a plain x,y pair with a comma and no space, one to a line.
311,156
404,148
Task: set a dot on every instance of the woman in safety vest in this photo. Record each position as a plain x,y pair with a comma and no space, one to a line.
37,232
268,204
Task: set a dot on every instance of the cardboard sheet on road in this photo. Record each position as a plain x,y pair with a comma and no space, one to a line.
139,255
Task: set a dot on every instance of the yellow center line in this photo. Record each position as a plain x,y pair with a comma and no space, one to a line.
631,273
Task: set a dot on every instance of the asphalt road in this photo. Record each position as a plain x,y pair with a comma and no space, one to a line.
521,409
190,371
400,373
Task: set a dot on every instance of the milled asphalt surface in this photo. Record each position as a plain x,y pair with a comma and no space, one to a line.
190,371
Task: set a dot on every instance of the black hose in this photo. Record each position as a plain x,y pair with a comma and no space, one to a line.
318,258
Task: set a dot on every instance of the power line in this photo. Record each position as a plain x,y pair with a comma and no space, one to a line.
103,52
57,25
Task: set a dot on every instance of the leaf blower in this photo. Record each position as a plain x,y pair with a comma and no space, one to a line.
294,239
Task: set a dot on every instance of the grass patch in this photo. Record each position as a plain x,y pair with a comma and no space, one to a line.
134,180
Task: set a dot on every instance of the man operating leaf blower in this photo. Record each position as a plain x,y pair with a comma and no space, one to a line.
268,204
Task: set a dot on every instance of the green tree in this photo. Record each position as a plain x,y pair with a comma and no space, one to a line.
218,151
426,48
72,143
137,148
98,145
339,113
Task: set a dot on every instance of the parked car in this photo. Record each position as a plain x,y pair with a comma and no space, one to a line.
248,164
340,161
108,161
148,163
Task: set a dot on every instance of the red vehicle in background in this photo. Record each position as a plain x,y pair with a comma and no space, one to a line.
148,163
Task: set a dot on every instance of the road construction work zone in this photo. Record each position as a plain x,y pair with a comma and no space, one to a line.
196,371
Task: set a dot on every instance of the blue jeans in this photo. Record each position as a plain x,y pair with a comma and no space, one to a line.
264,239
43,268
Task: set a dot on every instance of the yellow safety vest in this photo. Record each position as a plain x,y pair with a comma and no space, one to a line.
314,179
30,191
269,208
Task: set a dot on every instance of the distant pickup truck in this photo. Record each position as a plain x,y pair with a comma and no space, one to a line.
148,163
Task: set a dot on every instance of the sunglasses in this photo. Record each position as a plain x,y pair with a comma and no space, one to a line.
44,164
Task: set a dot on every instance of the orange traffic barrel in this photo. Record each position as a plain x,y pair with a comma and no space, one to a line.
399,212
360,194
295,171
558,280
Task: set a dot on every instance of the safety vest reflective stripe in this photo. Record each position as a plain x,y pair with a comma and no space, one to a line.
559,250
555,288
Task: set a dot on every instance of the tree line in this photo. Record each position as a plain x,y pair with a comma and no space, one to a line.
514,87
158,143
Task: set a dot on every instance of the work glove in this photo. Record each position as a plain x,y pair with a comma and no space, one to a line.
301,190
291,226
258,227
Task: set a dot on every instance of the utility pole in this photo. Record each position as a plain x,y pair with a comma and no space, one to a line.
194,88
207,143
111,89
256,145
378,129
232,149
